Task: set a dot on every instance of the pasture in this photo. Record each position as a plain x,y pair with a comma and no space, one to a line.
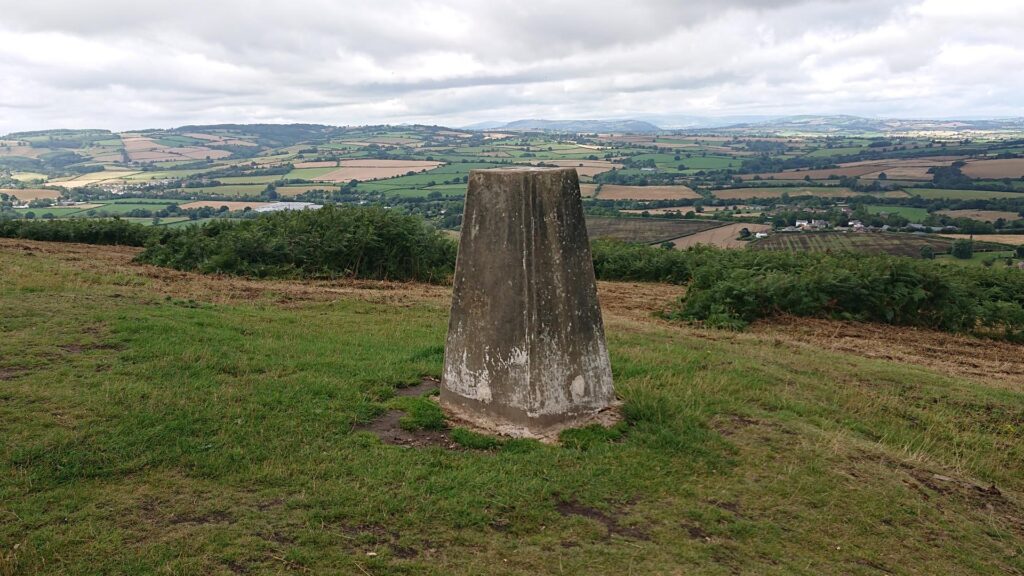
372,169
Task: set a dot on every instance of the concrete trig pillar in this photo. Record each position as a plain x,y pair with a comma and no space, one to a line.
526,353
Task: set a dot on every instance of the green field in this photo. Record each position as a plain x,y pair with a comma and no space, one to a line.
166,423
908,212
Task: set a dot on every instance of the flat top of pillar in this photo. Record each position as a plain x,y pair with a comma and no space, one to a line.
518,169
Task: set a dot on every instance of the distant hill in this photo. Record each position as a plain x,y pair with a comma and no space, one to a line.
620,126
842,123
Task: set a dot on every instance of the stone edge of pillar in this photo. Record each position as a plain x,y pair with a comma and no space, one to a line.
459,416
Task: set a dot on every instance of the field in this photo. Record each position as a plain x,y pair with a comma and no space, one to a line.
908,212
585,168
723,236
982,215
899,244
1000,168
30,194
616,192
287,191
239,190
229,204
777,191
210,425
372,169
943,194
1009,239
645,230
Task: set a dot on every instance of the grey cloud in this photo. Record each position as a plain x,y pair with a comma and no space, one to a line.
129,64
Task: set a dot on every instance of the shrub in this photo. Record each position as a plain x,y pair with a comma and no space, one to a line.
84,230
962,249
352,241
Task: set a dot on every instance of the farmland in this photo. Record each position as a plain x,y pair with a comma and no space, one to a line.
777,191
615,192
876,243
982,215
727,236
646,230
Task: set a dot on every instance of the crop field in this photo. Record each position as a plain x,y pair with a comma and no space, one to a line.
778,191
93,178
723,236
645,230
999,168
231,205
983,215
585,168
229,190
372,169
909,169
946,194
289,191
897,244
1008,239
30,194
617,192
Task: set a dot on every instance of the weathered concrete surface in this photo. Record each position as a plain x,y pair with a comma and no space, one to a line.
526,353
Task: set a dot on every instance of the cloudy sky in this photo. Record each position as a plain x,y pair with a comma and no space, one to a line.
125,64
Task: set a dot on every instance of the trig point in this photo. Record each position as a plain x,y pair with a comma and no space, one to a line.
526,353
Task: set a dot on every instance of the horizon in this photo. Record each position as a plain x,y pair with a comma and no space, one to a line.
121,65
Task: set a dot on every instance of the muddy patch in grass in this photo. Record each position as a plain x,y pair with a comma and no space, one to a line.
11,373
426,386
571,507
388,427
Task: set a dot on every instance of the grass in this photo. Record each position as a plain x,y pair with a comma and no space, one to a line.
998,258
908,212
155,425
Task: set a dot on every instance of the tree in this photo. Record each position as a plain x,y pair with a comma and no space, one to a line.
744,233
883,176
927,252
962,249
1020,251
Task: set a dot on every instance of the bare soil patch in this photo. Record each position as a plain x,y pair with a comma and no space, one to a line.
611,523
618,192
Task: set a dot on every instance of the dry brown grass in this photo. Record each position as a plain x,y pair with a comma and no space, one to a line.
617,192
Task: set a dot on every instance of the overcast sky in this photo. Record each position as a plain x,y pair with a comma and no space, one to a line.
129,64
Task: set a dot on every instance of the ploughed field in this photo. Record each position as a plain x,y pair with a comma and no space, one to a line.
156,421
646,230
897,244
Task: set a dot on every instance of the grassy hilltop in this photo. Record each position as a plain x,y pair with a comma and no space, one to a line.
157,421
